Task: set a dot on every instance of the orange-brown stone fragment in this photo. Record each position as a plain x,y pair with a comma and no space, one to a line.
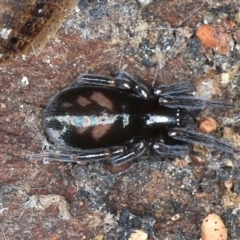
214,38
208,125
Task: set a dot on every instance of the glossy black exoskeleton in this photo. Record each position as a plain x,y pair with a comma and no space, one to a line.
118,119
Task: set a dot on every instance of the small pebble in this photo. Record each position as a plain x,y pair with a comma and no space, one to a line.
212,37
138,235
225,78
208,125
209,17
213,228
237,17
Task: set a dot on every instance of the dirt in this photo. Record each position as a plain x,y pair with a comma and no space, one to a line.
156,43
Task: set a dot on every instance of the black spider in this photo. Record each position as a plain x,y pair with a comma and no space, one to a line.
119,119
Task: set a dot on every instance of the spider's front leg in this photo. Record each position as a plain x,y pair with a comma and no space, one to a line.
180,95
193,137
169,151
182,88
123,81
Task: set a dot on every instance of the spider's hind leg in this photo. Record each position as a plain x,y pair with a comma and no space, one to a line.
116,155
123,81
94,80
130,153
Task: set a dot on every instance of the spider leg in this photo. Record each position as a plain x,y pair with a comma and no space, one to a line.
191,136
132,153
173,89
122,81
117,155
92,80
180,95
169,151
127,81
191,103
91,156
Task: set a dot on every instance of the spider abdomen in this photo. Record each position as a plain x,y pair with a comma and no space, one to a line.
88,118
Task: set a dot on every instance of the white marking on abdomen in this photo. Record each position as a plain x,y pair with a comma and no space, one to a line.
87,121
